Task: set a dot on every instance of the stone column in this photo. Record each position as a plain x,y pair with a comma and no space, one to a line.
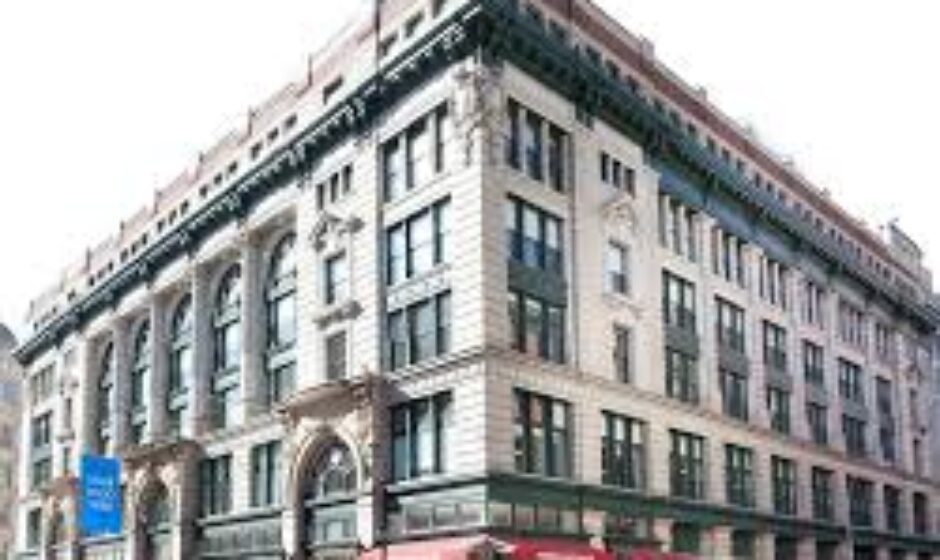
159,364
253,324
662,532
121,404
199,386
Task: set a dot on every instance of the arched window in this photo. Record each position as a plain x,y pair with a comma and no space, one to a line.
140,374
335,474
181,363
105,398
329,499
227,320
227,335
280,288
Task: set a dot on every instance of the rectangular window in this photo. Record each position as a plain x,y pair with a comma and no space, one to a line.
687,465
774,281
813,365
557,142
678,302
823,508
543,433
739,476
421,430
623,451
682,376
886,349
538,327
419,243
851,382
728,257
921,513
534,237
783,474
414,157
215,485
892,508
860,492
817,419
775,347
394,174
266,474
41,431
734,394
336,279
617,174
778,408
853,431
813,303
618,269
532,146
678,227
852,325
336,356
419,331
730,325
514,134
33,528
623,353
884,399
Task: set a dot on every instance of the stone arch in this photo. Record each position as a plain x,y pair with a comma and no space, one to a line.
313,443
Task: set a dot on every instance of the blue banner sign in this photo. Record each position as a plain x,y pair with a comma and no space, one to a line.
100,492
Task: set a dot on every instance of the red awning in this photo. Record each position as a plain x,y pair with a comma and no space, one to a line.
553,549
471,548
438,549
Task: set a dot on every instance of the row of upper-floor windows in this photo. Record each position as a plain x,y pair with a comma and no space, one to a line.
686,125
544,431
679,232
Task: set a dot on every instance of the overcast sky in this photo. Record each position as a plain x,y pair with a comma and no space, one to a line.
104,101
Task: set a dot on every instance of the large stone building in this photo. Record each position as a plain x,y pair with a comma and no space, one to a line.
9,421
489,280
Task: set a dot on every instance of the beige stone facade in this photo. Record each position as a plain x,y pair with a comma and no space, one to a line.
430,313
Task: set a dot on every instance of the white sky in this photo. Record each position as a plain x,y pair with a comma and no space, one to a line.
104,101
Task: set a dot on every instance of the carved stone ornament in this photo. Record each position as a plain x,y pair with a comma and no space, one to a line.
345,311
329,230
620,213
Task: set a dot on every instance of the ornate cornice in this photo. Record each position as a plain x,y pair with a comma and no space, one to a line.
499,32
440,47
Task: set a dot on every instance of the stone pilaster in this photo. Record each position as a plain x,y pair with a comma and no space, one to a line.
253,323
199,388
121,404
159,368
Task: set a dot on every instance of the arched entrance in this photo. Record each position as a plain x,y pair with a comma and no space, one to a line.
328,503
155,527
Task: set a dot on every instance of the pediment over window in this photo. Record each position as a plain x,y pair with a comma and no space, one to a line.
331,230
